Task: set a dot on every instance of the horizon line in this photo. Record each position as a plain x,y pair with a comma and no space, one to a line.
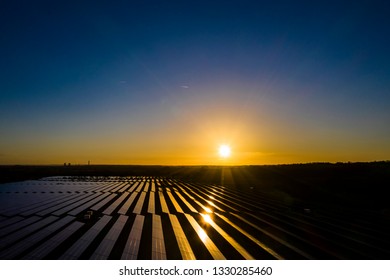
194,165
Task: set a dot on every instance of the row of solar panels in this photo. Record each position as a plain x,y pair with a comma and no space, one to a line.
153,218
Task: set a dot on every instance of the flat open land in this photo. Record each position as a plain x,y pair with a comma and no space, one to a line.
312,211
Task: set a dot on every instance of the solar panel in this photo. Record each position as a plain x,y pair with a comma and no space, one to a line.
211,247
205,209
228,238
75,251
259,243
153,187
109,187
240,225
32,206
146,188
140,187
192,209
55,207
103,202
115,204
132,188
158,246
8,221
103,251
12,202
184,246
164,206
124,187
174,202
281,241
86,205
48,246
115,187
16,223
78,206
127,204
151,205
28,229
130,251
140,202
19,247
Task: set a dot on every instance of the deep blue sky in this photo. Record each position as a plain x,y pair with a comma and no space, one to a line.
166,81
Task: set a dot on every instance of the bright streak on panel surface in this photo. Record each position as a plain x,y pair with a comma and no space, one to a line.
202,235
207,218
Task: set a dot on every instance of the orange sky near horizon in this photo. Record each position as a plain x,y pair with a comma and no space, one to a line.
167,83
255,131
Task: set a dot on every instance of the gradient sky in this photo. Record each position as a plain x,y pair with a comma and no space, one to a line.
167,82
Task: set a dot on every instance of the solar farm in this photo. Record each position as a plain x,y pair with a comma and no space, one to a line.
152,217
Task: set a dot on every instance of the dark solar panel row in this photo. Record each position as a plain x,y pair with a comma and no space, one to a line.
157,218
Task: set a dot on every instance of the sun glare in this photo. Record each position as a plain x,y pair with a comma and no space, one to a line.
207,218
224,151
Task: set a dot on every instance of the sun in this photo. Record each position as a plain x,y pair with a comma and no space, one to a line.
224,151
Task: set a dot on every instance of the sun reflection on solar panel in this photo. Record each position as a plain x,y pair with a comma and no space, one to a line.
202,235
211,203
207,218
